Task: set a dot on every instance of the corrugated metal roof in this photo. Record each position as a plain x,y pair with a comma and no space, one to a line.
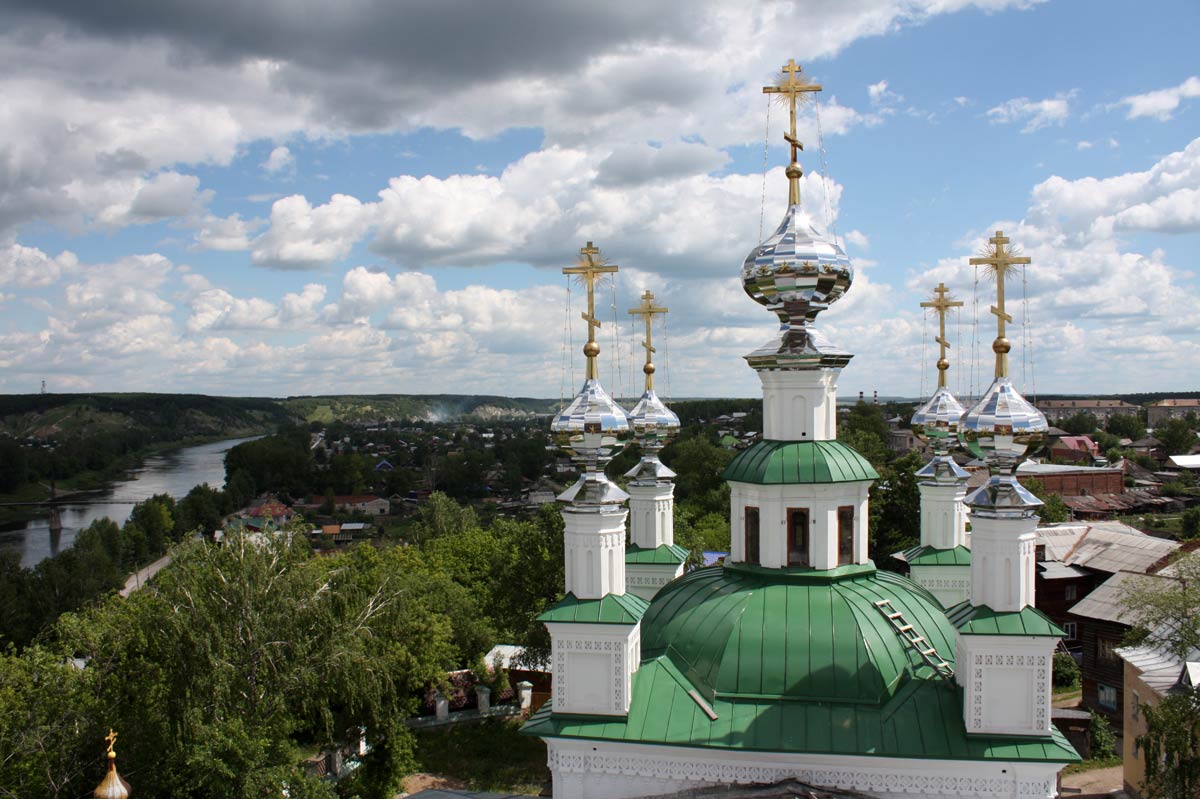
611,609
667,553
1159,669
1058,539
792,462
766,634
982,620
923,720
1104,549
1107,600
1053,570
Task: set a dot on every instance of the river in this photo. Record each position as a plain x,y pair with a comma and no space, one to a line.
174,473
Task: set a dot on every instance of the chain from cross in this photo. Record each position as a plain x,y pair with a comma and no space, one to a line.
112,741
942,302
647,309
999,260
590,267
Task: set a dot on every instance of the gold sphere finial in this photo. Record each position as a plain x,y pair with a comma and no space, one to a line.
648,369
1001,346
591,349
794,172
943,364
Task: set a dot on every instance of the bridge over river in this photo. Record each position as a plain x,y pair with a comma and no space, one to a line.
174,473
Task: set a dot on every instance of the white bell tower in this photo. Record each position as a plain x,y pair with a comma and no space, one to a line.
652,559
941,563
595,643
1004,646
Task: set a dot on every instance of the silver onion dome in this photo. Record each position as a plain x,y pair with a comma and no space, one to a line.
797,273
936,422
654,424
1003,428
591,430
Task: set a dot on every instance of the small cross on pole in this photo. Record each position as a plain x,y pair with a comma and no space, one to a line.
647,309
942,302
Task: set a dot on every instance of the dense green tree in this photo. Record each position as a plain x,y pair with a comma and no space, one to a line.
895,501
439,516
201,510
239,652
1053,509
156,518
698,465
1126,425
282,463
1079,424
1189,523
1178,436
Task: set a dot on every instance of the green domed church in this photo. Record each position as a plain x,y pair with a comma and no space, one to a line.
797,657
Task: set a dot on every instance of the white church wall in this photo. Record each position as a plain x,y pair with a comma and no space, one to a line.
606,770
822,500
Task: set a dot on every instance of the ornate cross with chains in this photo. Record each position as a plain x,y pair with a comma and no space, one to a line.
999,260
793,86
590,267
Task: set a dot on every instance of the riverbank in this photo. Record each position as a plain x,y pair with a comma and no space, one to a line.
31,498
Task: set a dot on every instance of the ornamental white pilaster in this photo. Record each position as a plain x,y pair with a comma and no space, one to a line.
799,405
594,551
1002,561
651,514
1006,683
943,515
593,666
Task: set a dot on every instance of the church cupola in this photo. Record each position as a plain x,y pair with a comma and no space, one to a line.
113,786
942,561
798,497
594,628
1005,646
652,559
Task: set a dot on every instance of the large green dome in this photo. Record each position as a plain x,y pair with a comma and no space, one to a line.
742,631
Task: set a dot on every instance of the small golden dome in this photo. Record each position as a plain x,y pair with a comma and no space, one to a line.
112,786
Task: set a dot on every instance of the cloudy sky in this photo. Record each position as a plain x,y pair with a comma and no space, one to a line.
289,197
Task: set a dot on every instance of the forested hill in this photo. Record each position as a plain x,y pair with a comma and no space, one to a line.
148,417
427,407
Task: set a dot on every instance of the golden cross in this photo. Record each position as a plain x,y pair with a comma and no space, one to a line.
999,260
792,88
112,741
647,310
590,267
942,302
